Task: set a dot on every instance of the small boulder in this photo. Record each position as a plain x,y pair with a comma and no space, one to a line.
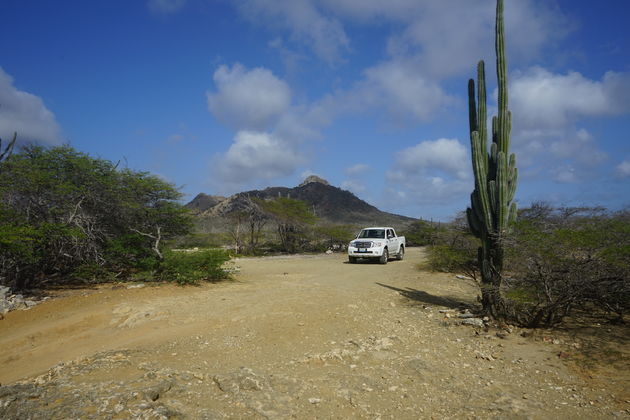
475,322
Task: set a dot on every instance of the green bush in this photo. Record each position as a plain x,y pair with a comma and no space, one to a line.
422,233
192,267
62,213
454,259
452,248
201,240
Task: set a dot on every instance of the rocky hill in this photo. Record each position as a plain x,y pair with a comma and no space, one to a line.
329,203
203,202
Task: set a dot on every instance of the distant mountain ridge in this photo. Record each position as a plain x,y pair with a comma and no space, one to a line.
329,203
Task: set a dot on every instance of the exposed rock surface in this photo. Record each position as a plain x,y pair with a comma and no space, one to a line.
313,178
203,202
11,302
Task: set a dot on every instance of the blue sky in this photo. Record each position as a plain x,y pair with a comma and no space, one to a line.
221,96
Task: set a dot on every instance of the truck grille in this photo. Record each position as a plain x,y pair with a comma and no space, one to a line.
363,244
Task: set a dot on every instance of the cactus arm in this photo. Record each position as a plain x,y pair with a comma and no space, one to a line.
512,177
482,114
503,124
502,192
481,181
513,213
472,107
473,222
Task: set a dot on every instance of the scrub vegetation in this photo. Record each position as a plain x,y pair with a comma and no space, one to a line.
68,218
559,263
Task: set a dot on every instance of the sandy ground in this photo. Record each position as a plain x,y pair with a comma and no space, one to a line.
292,337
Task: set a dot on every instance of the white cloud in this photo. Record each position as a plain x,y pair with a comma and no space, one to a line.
357,169
541,99
425,190
580,146
257,156
248,99
354,173
422,53
447,156
401,87
623,169
617,91
547,108
305,23
431,172
165,6
26,114
396,86
270,130
565,175
368,11
530,26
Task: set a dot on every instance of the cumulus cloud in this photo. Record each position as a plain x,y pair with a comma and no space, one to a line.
400,86
165,6
270,129
542,99
248,99
257,156
305,23
395,86
623,169
429,190
616,86
530,25
26,114
579,146
431,172
421,54
547,108
447,156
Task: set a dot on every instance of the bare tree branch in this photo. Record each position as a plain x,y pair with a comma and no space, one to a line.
9,149
157,238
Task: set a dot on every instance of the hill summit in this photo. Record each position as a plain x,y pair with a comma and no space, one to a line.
313,178
329,203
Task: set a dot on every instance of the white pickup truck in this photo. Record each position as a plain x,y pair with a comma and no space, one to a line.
378,243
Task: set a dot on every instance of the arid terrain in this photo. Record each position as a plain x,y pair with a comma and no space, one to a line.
304,337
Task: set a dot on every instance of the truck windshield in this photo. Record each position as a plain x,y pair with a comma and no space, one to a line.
372,233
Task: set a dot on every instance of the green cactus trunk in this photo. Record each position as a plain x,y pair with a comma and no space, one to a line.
492,209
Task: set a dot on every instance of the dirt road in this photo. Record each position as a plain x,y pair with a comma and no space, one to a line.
308,337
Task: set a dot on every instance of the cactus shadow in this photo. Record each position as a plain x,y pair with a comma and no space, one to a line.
423,297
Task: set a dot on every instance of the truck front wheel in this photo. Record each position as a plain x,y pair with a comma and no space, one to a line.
383,259
352,260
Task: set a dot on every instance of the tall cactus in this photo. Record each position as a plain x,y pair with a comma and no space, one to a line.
492,209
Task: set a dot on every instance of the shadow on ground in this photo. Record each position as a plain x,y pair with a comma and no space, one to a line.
422,297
